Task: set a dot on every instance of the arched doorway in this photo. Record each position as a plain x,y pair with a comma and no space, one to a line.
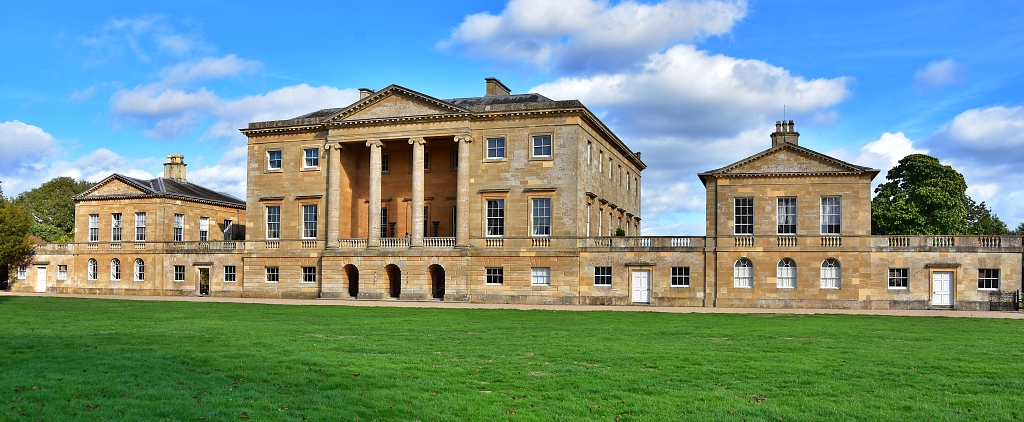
394,280
437,281
352,273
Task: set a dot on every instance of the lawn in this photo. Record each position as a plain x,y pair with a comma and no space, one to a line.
95,359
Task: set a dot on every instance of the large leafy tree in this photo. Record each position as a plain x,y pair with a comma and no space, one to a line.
15,245
922,196
52,208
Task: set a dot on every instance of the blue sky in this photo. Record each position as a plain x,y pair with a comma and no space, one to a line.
87,89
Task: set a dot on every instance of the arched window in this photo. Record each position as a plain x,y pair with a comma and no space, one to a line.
140,270
830,274
94,268
785,274
115,269
743,274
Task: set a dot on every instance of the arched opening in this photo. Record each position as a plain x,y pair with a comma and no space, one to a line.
352,273
437,281
394,280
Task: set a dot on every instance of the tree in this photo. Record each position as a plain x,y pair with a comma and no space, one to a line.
1019,231
52,208
921,196
15,245
981,221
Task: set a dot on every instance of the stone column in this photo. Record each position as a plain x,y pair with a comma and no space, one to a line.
462,195
333,193
373,235
417,191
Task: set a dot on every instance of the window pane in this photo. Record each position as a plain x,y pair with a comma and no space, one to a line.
312,157
540,276
542,217
542,146
274,222
274,160
495,147
831,215
309,218
495,217
744,215
787,215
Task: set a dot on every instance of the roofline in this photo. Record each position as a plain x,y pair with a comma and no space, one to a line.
159,195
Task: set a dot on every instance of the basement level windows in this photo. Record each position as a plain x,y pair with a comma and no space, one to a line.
830,274
62,272
680,277
602,276
22,272
179,273
229,274
785,274
309,274
743,274
540,276
93,270
139,269
494,275
495,148
988,279
899,278
273,275
115,269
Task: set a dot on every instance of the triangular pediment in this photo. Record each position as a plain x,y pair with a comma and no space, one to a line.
788,159
395,101
113,185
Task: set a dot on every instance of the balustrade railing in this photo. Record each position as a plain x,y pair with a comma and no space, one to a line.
495,242
541,242
831,241
352,243
394,242
439,242
743,241
786,241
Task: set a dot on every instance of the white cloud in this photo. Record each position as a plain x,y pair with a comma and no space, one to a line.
85,94
228,175
142,36
207,68
24,145
882,154
939,73
590,34
283,103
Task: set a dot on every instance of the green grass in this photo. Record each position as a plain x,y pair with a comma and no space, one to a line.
92,359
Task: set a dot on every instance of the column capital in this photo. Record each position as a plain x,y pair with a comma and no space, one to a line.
333,145
464,138
417,141
375,143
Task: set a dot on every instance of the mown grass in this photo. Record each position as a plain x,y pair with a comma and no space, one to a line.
91,359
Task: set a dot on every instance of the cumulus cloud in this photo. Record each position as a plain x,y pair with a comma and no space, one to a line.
882,154
24,145
207,68
589,34
939,73
283,103
228,175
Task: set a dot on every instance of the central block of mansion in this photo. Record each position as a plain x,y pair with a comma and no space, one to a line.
505,198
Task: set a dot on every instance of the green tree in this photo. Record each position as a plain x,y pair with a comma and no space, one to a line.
981,220
52,208
921,196
1019,231
15,245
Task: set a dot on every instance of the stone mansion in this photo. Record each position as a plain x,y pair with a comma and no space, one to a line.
505,198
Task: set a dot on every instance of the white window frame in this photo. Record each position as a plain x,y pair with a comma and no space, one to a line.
602,276
179,227
785,274
179,273
495,148
542,147
273,275
22,272
230,274
92,269
62,272
680,277
899,279
743,274
740,208
94,227
273,220
140,227
271,161
139,269
310,214
309,275
229,230
988,277
494,276
831,274
310,158
495,217
786,215
204,229
540,216
831,215
115,227
115,269
540,276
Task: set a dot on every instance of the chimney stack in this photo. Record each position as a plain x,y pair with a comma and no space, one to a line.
174,168
785,134
365,92
496,89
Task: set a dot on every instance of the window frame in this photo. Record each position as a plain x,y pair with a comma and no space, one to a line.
178,270
310,228
204,229
540,276
92,270
899,279
272,275
308,275
602,276
22,272
748,218
271,160
743,278
540,222
140,227
679,277
229,230
782,211
827,266
94,228
786,281
385,162
495,152
62,272
272,226
116,229
233,274
179,227
837,206
139,269
306,159
549,146
384,222
115,269
988,276
494,223
494,276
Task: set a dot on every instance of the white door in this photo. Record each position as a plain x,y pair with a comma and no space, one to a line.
641,286
942,289
40,279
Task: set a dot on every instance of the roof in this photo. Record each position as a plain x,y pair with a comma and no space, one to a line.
161,187
841,166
